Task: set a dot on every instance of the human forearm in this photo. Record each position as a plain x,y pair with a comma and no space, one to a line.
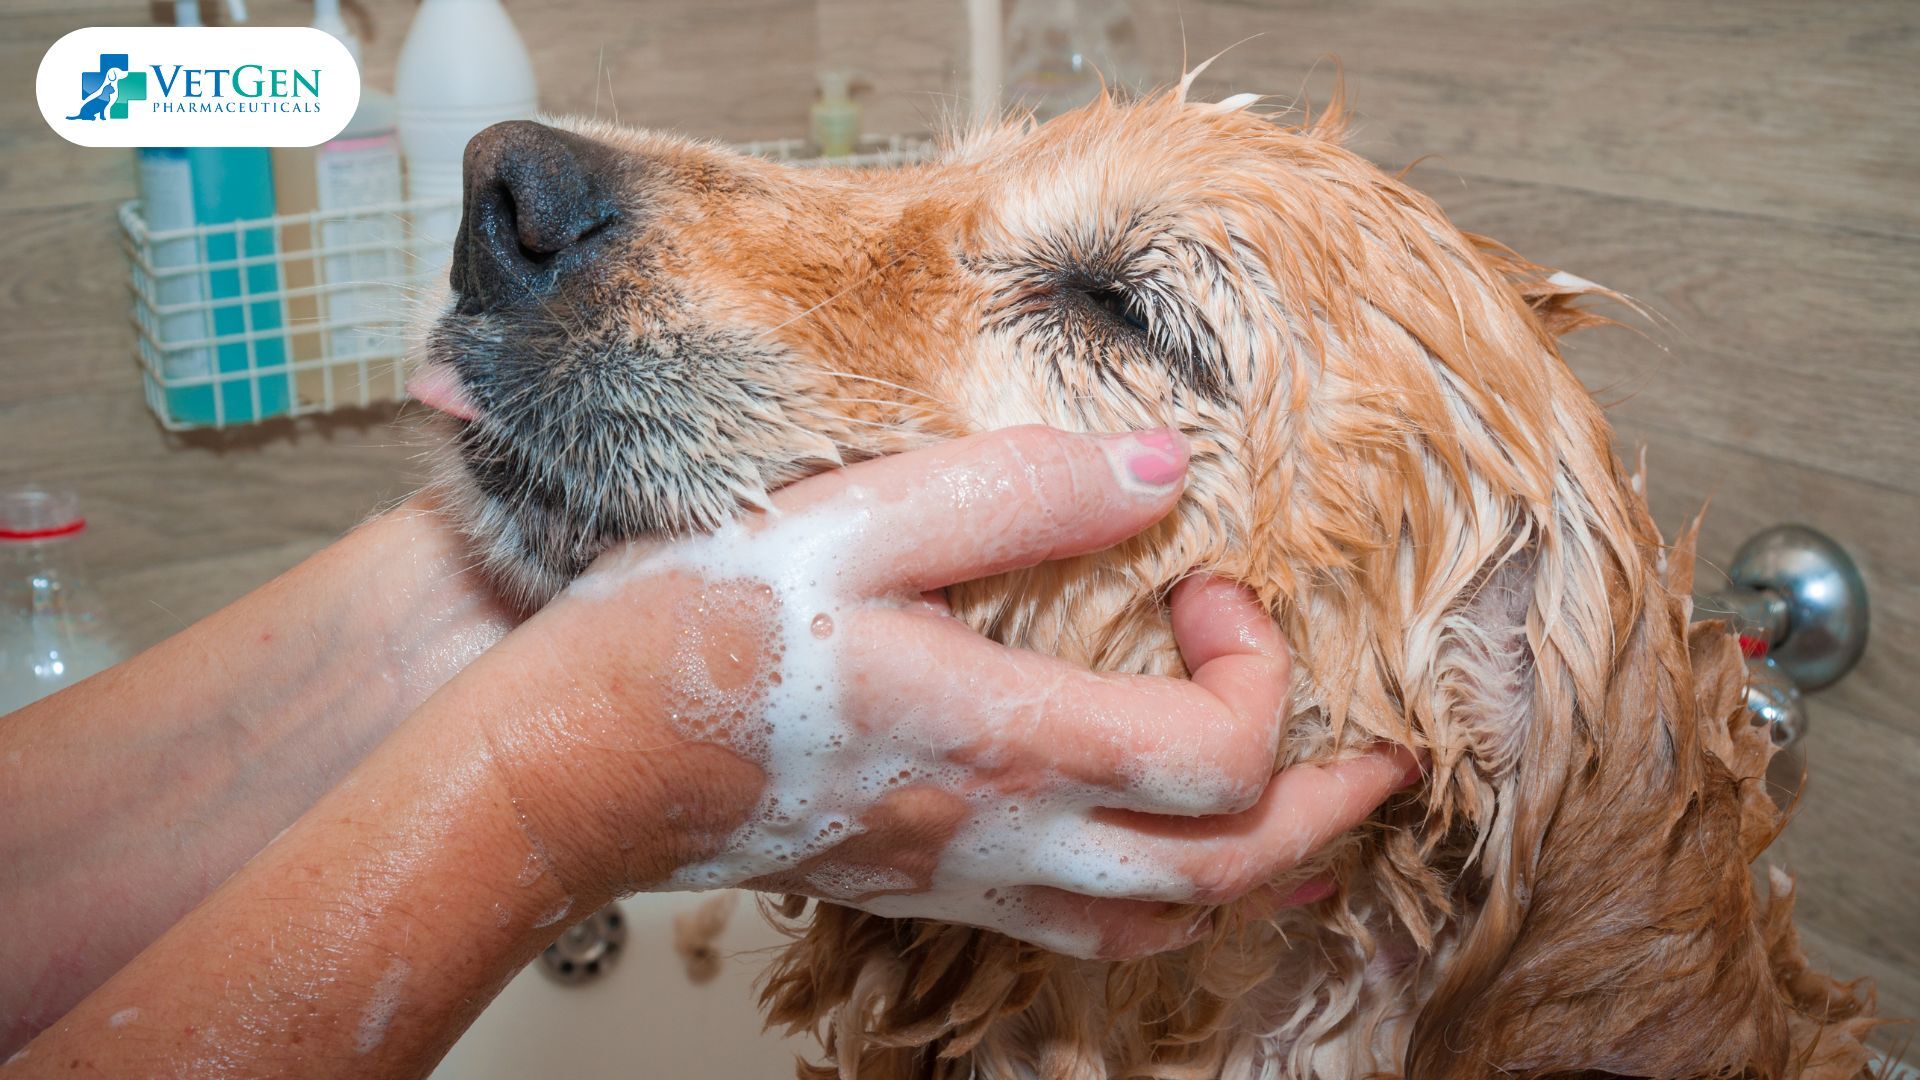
367,936
359,943
127,798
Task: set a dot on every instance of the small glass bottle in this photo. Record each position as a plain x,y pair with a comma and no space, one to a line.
1059,52
52,630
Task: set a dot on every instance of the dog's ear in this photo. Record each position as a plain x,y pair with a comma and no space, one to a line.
1555,296
1617,927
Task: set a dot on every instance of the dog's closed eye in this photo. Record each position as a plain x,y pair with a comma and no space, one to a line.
1114,302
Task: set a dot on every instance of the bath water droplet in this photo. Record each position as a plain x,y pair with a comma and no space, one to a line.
822,625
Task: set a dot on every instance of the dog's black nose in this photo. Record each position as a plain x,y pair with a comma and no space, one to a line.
536,202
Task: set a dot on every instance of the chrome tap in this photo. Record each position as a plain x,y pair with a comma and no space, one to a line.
1799,604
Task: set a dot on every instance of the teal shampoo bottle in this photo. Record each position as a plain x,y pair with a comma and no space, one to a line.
217,282
234,184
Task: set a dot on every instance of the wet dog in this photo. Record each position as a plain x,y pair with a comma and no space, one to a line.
646,335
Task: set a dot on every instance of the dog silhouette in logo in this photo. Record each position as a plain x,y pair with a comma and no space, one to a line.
96,104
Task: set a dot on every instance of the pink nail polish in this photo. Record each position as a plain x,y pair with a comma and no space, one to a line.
1156,459
1311,891
1414,773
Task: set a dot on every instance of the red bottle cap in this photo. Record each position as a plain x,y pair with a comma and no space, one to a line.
30,514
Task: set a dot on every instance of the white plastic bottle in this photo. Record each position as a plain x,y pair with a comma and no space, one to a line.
352,287
462,68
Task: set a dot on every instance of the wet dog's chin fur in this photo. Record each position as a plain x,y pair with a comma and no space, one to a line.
1387,449
544,484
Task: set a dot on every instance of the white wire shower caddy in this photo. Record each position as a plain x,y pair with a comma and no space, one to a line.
308,313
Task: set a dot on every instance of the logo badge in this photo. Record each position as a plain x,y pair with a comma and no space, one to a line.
106,92
198,86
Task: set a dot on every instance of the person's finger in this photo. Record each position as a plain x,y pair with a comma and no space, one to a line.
1091,927
1236,653
1159,745
1267,901
1223,858
1104,928
1128,929
990,503
1085,927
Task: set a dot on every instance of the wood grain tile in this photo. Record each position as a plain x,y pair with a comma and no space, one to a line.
39,169
1854,843
1896,984
911,56
726,69
1791,341
1792,110
65,302
152,498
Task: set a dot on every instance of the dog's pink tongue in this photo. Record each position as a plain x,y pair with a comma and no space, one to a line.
437,387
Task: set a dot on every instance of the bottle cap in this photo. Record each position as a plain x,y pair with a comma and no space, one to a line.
29,514
836,87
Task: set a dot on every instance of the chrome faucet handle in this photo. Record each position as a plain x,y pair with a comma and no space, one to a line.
1774,702
1798,597
1799,604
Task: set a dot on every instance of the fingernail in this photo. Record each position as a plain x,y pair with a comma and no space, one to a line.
1270,900
1154,460
1311,891
1415,772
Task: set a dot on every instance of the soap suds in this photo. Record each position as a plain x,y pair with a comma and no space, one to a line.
555,913
381,1007
823,774
1572,282
123,1018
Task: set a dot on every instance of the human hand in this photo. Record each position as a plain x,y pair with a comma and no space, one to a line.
797,711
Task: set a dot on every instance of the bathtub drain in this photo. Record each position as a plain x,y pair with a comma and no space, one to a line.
588,949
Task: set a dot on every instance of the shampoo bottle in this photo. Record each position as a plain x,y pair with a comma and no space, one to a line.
220,286
462,68
343,262
836,116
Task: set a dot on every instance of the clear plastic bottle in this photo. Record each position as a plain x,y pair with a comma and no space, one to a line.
53,631
1058,52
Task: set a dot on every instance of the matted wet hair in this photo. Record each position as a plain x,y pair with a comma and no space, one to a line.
1388,449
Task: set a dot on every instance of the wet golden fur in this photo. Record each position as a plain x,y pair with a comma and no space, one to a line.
1572,891
1390,451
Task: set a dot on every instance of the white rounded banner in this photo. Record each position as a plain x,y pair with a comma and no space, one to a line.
198,86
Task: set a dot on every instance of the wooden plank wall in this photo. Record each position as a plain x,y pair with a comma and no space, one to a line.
1744,169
